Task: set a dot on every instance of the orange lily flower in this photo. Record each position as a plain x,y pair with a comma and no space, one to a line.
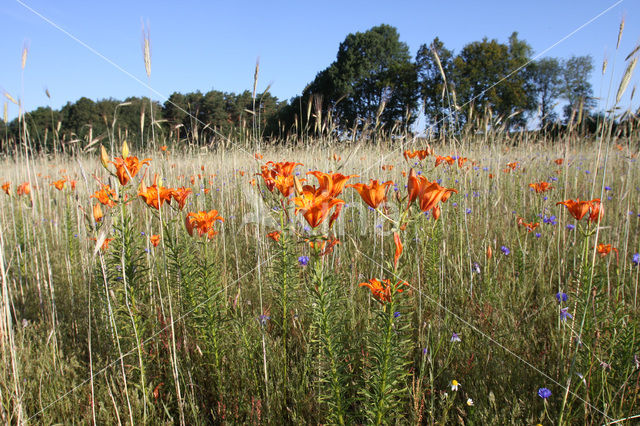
432,193
329,244
577,208
513,165
257,156
605,249
415,184
421,154
314,205
559,161
106,196
155,240
530,226
203,222
331,184
387,167
6,187
155,195
180,195
336,157
448,159
59,184
24,189
325,246
399,248
540,187
163,148
597,211
105,243
279,175
381,290
374,193
274,235
461,161
128,167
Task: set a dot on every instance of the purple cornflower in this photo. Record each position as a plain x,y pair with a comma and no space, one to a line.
562,297
551,220
538,235
303,260
564,314
636,259
607,188
505,250
263,319
544,393
571,227
396,314
468,211
455,338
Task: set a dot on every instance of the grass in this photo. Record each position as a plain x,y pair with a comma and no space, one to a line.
234,329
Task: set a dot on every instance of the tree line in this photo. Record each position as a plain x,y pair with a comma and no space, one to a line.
374,83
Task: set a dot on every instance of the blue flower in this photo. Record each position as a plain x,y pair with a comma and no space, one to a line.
551,220
263,319
538,235
636,259
561,297
505,250
607,188
455,338
571,227
468,211
303,260
544,393
396,314
564,314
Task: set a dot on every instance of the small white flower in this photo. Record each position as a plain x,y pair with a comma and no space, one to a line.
454,385
470,402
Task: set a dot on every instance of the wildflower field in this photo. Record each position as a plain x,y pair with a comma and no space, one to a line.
457,282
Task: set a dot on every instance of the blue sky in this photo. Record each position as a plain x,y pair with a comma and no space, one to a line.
215,44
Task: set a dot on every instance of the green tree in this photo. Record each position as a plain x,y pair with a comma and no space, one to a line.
576,88
372,77
436,105
546,82
494,76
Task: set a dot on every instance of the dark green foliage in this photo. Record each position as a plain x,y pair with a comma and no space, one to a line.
481,65
372,79
575,86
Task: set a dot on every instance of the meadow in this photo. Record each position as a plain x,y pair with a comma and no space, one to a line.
208,287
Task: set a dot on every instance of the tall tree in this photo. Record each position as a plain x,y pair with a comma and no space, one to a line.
547,85
576,88
494,76
432,84
372,77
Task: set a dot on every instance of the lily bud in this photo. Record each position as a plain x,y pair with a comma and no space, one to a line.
104,157
97,212
489,252
436,212
125,150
